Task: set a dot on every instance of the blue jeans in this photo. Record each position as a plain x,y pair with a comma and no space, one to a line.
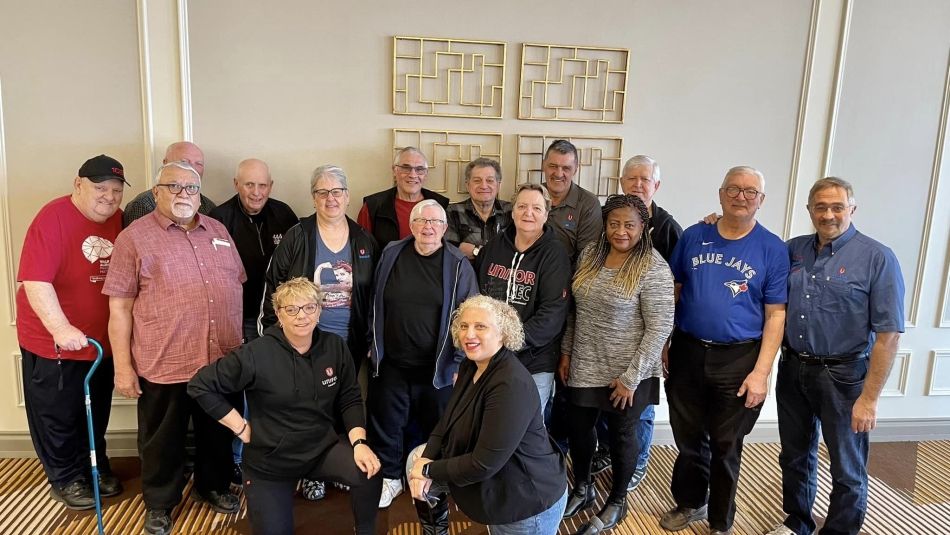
809,395
545,383
645,436
543,523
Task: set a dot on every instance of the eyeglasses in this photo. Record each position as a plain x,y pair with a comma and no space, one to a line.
734,191
293,310
407,169
836,209
175,189
422,222
324,193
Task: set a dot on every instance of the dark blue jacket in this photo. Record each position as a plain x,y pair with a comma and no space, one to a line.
458,284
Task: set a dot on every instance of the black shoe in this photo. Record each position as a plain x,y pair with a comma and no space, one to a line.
221,502
237,476
600,462
76,495
109,485
434,519
608,517
638,476
158,522
581,498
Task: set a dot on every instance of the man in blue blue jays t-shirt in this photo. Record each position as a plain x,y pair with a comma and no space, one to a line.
731,282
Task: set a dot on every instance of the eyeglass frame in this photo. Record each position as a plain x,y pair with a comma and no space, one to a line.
287,309
408,169
743,191
186,188
326,193
432,222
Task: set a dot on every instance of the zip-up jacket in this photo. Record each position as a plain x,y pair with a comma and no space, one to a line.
296,257
293,400
458,284
537,284
255,244
381,208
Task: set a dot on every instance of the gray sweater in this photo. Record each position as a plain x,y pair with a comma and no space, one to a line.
610,336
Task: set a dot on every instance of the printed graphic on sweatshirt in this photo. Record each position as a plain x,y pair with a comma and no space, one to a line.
520,283
336,282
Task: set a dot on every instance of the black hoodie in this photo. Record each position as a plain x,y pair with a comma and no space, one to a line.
537,284
293,400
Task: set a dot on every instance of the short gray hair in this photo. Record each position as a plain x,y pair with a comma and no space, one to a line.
180,164
745,170
832,182
422,205
483,162
404,150
331,171
642,159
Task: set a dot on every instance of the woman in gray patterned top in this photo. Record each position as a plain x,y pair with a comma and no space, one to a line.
623,291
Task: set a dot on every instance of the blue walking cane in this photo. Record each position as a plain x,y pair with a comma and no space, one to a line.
92,438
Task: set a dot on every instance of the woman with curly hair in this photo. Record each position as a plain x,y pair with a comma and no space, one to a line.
611,351
490,449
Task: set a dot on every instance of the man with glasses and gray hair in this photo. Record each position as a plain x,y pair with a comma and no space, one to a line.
385,214
420,281
180,151
731,284
174,287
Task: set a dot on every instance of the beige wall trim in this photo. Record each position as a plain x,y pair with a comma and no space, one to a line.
931,202
943,317
836,91
184,64
807,72
902,368
145,72
5,223
937,359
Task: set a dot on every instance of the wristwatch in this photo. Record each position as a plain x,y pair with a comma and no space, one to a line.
358,441
425,470
476,250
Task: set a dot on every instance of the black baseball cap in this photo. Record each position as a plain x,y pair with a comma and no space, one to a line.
102,168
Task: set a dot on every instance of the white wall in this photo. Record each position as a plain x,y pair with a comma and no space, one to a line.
797,89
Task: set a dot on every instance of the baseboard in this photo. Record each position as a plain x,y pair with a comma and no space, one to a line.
122,443
890,430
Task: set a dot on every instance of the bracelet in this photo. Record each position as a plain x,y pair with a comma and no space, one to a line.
241,432
359,441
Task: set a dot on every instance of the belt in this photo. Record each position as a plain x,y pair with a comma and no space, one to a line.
709,344
824,360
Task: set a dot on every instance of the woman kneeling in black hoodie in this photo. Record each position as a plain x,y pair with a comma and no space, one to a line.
298,381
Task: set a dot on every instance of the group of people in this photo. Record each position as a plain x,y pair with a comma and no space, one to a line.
493,334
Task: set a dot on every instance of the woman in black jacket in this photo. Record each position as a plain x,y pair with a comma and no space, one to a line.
298,382
333,251
490,449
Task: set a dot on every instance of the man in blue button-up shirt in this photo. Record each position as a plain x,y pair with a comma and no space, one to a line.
845,316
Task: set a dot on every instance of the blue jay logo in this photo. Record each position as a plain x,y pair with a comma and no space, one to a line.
737,287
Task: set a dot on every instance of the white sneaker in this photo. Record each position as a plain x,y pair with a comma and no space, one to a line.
391,489
781,529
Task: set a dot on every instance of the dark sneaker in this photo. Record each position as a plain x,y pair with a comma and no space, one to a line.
638,476
109,485
237,475
221,502
76,495
679,517
314,490
600,462
158,522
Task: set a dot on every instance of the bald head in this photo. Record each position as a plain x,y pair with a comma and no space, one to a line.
186,151
253,183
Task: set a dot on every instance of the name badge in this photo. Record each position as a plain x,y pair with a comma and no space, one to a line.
217,241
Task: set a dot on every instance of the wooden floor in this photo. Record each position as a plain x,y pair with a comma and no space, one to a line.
909,494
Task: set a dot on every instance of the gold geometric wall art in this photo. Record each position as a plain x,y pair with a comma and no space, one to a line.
448,152
448,77
573,83
600,164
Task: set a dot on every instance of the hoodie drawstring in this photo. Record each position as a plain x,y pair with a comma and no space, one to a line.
512,286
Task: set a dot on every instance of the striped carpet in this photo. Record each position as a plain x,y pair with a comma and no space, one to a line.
911,496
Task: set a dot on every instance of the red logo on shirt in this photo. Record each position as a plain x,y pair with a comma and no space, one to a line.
570,217
737,286
841,270
329,372
362,251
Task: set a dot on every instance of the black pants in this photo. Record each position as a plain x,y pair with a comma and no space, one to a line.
163,413
270,502
701,390
623,443
396,399
56,414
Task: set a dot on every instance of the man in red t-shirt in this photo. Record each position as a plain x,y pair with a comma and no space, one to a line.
385,214
63,264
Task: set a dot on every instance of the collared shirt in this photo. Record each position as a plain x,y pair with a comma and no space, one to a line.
840,296
465,225
144,204
577,221
187,291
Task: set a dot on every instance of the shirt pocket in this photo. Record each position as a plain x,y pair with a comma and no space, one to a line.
836,296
